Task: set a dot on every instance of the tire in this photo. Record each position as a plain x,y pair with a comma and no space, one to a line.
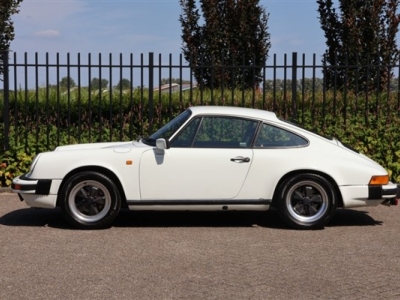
90,200
307,201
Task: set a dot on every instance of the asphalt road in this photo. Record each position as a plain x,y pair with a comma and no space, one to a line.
154,255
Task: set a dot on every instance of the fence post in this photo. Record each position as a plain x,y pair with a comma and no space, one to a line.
294,86
6,104
151,91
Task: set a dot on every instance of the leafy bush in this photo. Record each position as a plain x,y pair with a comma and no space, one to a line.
14,163
42,120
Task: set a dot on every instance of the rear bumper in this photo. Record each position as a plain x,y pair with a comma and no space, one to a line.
393,201
384,192
364,195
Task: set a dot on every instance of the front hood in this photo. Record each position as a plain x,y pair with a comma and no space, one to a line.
92,146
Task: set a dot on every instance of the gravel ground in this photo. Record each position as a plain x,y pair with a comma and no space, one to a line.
226,255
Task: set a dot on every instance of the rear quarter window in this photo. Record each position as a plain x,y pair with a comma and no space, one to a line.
274,137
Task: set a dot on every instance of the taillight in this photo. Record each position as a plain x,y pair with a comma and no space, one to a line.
379,180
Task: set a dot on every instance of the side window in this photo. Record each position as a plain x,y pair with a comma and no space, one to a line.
225,132
273,137
185,137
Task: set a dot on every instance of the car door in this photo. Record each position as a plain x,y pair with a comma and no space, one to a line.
209,159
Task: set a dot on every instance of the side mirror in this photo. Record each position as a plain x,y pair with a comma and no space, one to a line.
162,144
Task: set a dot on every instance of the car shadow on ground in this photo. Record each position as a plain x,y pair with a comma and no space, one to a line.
348,217
270,219
35,217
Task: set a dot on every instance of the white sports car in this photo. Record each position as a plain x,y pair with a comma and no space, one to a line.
208,159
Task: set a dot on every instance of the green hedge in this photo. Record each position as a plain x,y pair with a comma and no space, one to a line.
39,121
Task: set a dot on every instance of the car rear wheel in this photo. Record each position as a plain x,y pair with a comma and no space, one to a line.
90,200
307,201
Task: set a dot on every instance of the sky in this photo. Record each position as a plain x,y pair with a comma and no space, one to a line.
104,27
142,26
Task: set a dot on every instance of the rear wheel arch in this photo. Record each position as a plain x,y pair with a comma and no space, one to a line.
100,170
275,198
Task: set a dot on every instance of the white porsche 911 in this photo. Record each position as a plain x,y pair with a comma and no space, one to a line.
208,158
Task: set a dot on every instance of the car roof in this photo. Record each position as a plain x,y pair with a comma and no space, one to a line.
234,111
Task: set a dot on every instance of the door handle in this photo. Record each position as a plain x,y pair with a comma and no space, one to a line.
240,159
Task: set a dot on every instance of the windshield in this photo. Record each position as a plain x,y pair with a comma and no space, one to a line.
169,129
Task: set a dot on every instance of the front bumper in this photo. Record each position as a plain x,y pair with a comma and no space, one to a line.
23,184
36,192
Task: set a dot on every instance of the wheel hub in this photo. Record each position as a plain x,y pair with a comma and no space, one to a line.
306,201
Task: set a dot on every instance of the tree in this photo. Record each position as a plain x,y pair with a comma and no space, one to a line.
96,84
363,34
7,9
124,84
233,33
67,82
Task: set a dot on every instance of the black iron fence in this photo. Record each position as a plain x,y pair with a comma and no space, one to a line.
55,100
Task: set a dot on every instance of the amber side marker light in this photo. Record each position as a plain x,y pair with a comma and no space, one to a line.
17,187
129,162
379,180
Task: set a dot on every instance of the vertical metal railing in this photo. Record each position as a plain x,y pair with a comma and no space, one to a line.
151,90
294,86
28,90
6,104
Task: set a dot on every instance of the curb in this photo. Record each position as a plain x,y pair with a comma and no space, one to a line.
5,190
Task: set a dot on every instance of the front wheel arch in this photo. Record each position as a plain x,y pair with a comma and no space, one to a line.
97,169
90,200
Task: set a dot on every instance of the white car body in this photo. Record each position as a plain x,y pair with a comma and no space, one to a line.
244,177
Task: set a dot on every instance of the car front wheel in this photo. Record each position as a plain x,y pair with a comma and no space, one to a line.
90,200
307,201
